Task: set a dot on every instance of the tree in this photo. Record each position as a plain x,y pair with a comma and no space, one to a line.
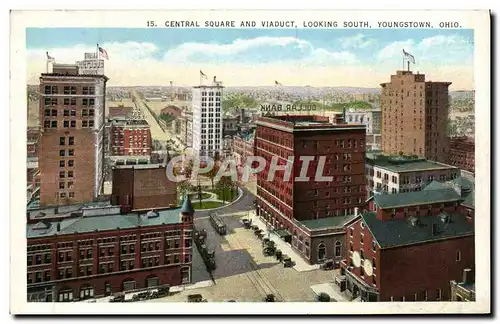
184,187
224,183
212,173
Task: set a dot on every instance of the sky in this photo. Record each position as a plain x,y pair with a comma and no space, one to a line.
258,57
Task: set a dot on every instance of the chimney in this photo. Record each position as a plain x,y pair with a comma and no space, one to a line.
58,227
467,276
434,229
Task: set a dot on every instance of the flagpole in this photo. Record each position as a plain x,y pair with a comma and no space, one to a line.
47,63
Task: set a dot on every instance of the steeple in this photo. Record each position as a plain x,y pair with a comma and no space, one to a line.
187,207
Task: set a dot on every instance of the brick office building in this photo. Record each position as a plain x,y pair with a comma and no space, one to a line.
129,137
139,187
71,156
96,251
415,116
409,246
243,146
282,204
462,153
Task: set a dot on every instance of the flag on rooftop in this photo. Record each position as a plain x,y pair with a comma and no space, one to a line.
50,58
203,75
103,53
409,57
276,83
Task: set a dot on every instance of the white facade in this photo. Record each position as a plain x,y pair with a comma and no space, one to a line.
369,118
372,120
207,120
100,99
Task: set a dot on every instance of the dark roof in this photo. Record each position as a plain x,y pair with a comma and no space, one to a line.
415,198
87,224
329,222
187,207
435,185
397,232
469,200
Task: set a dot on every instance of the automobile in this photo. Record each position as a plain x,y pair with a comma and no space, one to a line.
327,265
163,291
265,241
279,255
269,251
323,297
195,298
117,298
287,261
270,298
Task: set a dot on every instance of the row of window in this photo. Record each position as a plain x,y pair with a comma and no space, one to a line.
69,112
67,123
85,102
52,89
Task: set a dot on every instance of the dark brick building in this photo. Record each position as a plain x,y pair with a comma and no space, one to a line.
409,246
139,187
462,153
281,203
92,251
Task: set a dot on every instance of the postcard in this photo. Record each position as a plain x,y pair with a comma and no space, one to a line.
250,162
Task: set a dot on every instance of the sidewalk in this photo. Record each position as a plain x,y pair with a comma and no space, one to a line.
332,290
300,264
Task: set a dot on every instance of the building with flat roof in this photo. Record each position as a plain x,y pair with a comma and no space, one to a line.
129,137
393,174
462,153
282,202
415,116
372,120
96,251
207,119
71,156
142,187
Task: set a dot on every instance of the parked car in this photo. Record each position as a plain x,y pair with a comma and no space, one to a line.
270,298
323,297
117,298
327,265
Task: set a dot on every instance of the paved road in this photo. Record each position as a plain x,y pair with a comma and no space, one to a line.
157,132
243,204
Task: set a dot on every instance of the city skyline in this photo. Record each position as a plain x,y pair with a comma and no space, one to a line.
316,57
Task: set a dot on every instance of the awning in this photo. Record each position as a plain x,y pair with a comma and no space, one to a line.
282,233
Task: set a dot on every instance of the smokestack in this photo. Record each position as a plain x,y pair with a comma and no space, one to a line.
467,276
434,229
58,228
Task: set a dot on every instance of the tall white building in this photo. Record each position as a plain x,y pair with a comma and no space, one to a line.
372,120
207,119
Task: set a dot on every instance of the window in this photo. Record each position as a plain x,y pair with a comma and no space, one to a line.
338,249
70,174
66,124
53,124
176,258
89,253
438,294
73,124
458,256
71,152
62,141
91,123
101,252
71,140
62,152
61,185
110,251
62,174
62,163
